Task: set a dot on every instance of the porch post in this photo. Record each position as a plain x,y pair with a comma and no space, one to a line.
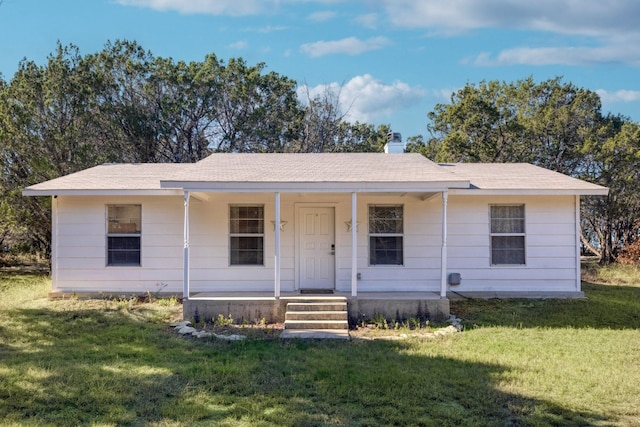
276,266
354,246
578,230
54,242
185,259
443,255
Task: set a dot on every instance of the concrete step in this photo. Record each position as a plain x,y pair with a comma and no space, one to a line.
337,334
316,315
317,306
316,324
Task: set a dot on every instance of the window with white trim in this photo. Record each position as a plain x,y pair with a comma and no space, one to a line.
507,235
124,231
246,235
386,235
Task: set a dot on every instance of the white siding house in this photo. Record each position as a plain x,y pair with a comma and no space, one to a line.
367,226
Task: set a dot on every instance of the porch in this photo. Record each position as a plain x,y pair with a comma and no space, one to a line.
257,306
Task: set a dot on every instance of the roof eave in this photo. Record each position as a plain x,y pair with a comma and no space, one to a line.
111,192
531,192
314,187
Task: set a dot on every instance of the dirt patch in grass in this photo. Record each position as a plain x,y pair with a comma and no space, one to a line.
270,331
261,331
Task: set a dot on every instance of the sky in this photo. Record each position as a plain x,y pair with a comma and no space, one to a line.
391,61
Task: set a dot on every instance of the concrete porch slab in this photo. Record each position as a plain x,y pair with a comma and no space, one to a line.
335,334
257,306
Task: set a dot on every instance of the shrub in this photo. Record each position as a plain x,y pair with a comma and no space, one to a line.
630,254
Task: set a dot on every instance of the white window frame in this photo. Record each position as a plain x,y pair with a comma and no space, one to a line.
370,234
137,234
232,235
522,234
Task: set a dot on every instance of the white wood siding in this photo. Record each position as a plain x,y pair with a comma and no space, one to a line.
80,255
80,244
550,245
81,250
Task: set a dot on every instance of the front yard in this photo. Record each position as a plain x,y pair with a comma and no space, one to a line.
520,362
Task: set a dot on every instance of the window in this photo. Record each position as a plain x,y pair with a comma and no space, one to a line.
246,234
507,235
123,234
385,235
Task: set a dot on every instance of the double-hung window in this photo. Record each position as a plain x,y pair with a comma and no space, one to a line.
246,235
507,235
124,231
386,234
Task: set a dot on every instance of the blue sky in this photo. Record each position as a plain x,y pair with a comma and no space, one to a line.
390,60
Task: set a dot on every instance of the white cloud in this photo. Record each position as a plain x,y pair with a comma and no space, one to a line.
348,46
266,29
240,44
210,7
622,95
367,100
369,20
322,16
443,95
220,7
580,17
561,55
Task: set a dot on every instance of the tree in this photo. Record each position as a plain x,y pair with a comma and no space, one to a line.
123,104
323,128
613,160
44,113
555,125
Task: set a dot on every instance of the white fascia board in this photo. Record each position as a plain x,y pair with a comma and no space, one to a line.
314,187
154,192
529,192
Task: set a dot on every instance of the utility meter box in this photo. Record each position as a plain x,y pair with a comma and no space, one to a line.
455,278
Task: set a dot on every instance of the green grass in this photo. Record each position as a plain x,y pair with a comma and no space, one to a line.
518,362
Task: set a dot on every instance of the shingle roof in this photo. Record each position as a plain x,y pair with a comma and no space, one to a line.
139,176
312,172
519,176
316,167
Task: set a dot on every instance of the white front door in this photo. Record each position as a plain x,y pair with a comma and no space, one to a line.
317,248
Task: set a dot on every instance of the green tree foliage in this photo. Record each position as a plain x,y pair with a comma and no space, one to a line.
123,104
45,134
612,159
555,125
322,128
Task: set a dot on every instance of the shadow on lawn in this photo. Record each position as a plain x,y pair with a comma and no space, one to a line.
85,367
605,306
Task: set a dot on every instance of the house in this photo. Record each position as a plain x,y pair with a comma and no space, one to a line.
241,234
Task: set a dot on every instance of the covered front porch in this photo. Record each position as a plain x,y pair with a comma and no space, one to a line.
369,228
263,306
317,252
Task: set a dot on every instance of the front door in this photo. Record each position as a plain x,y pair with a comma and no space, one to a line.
317,248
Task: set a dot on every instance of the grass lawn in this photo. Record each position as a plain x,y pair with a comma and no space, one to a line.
518,362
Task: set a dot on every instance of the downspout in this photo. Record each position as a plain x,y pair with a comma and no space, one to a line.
185,266
54,243
443,253
277,247
578,267
354,246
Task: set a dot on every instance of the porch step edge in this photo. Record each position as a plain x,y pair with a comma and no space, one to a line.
317,306
317,315
316,324
340,334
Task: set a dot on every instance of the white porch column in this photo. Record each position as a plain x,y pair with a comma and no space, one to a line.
276,263
54,243
578,230
443,255
354,245
185,266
